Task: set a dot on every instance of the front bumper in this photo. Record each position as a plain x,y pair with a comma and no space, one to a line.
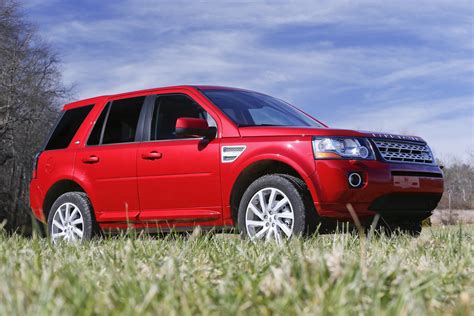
394,190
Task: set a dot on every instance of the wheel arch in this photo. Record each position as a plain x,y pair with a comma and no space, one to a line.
257,169
56,190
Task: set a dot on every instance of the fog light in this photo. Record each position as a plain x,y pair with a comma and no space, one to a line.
355,180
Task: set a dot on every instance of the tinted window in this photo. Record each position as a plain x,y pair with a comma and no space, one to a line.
94,138
167,110
67,127
122,121
247,108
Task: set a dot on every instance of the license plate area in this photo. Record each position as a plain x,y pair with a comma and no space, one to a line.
406,182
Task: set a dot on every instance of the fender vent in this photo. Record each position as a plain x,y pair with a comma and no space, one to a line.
231,153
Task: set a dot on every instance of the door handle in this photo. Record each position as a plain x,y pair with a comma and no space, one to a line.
152,155
91,159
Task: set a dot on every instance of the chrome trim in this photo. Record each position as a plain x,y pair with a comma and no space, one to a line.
359,180
231,153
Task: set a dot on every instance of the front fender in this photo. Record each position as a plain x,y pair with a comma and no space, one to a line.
295,152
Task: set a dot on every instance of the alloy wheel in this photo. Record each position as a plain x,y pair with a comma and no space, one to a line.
68,224
269,216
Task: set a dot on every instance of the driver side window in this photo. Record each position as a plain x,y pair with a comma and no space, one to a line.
167,110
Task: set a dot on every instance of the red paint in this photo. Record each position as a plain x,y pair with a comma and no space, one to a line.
183,183
185,178
188,122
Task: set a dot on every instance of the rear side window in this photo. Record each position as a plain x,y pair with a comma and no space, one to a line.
122,121
67,127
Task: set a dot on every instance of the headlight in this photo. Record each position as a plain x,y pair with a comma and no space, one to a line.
342,147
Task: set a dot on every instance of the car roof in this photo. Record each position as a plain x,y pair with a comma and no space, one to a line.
97,99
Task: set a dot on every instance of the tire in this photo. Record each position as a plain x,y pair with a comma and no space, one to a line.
313,221
81,224
412,229
275,222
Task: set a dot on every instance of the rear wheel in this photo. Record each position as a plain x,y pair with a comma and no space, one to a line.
71,219
274,208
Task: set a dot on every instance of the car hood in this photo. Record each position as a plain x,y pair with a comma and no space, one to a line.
309,131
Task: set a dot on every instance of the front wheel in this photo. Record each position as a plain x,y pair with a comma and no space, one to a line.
273,208
70,218
409,228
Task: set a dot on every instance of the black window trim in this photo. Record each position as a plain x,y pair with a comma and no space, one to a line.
95,122
150,107
140,124
101,137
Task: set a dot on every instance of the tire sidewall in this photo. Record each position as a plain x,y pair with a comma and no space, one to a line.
285,186
82,202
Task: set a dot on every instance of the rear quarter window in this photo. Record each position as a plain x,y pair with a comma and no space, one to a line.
66,128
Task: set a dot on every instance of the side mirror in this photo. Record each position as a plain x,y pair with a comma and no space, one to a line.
194,127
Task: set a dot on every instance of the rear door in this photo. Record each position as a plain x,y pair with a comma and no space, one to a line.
108,161
56,158
182,182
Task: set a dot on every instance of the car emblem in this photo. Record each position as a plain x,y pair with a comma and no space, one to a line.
400,137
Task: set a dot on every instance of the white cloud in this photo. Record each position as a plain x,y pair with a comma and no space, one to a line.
142,43
446,124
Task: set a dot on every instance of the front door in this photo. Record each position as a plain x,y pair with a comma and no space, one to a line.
178,179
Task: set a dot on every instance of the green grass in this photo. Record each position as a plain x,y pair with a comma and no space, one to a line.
179,275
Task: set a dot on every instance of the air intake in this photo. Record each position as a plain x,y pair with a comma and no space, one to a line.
231,153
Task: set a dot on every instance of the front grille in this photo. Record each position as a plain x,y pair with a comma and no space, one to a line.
399,151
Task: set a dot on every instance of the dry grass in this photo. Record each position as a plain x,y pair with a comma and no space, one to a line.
452,217
178,275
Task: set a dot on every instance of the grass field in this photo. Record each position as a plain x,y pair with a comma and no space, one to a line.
179,275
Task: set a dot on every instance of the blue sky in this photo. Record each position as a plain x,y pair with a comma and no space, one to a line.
401,67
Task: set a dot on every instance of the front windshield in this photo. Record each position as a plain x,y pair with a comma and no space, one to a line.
247,108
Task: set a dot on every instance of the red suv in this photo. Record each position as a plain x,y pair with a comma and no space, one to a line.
216,157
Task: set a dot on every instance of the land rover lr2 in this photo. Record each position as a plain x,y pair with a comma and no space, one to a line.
179,157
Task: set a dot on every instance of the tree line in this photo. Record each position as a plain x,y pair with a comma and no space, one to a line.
31,92
459,184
